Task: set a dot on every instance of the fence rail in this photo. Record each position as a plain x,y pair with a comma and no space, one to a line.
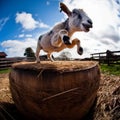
7,62
108,57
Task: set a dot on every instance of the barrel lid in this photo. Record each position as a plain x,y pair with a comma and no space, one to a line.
59,66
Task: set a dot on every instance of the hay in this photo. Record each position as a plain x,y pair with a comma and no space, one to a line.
59,66
108,103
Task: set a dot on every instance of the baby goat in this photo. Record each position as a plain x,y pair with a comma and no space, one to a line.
59,37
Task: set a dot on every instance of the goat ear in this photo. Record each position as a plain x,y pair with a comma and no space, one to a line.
65,9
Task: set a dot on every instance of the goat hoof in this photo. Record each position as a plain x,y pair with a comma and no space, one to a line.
80,51
37,61
66,40
52,58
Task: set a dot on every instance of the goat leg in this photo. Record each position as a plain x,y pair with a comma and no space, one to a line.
66,40
64,36
37,53
51,57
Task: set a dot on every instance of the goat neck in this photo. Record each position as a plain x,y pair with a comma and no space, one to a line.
69,28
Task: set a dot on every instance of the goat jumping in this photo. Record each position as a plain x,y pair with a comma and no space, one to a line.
59,37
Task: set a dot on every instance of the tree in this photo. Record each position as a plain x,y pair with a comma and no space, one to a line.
29,52
65,55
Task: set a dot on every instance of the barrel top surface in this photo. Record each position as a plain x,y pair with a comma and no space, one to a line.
60,66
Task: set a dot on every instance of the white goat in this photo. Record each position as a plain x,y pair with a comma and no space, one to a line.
59,37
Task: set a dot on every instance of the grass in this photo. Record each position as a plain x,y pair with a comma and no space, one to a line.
112,69
4,71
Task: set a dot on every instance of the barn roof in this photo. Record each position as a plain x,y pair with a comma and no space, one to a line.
2,54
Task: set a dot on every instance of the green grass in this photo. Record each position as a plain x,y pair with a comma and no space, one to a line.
112,69
4,71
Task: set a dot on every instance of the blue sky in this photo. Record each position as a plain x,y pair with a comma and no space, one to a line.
22,21
41,10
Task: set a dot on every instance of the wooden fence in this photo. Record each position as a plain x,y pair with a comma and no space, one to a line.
7,62
108,57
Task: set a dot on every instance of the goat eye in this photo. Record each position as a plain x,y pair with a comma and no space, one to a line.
79,16
74,13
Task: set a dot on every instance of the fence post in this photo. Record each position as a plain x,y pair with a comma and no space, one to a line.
107,58
99,59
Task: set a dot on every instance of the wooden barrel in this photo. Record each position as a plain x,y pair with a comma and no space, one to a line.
63,90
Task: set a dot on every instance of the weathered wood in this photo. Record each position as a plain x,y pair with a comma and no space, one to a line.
6,63
54,90
108,57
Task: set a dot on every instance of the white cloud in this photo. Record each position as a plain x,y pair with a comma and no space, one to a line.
28,35
3,22
105,33
28,22
24,35
17,48
21,35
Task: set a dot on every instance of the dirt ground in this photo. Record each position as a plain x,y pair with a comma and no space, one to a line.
5,95
107,106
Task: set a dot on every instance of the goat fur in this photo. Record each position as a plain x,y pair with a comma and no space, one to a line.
58,38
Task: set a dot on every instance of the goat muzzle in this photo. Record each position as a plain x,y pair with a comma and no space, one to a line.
87,26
